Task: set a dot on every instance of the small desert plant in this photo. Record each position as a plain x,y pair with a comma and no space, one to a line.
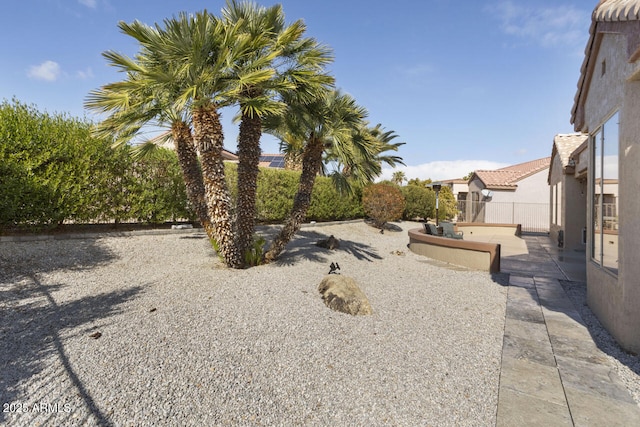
382,203
253,256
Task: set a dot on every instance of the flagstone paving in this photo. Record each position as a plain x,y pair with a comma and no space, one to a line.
552,371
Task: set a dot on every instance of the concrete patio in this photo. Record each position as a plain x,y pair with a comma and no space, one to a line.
552,371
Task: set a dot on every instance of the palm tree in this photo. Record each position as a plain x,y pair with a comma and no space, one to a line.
184,69
399,177
363,165
280,60
383,140
329,122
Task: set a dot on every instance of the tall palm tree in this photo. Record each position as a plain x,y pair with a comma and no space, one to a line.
282,59
185,66
329,122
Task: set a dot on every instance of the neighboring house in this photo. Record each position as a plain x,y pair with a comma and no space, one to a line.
568,191
607,108
517,194
459,189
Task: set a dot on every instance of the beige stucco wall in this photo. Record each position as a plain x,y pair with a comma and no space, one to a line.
532,189
556,175
463,257
629,227
616,299
574,212
530,199
573,204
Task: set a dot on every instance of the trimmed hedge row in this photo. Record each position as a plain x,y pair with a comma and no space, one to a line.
277,189
53,171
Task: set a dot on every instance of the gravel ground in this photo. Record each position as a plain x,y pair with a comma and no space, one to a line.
185,341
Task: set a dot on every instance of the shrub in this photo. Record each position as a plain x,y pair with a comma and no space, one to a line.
158,193
276,190
383,203
448,207
53,170
327,204
420,202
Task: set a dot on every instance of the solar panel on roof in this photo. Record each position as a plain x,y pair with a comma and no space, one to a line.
274,160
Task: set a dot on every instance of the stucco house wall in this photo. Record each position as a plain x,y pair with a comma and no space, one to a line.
532,189
609,82
556,177
519,195
568,192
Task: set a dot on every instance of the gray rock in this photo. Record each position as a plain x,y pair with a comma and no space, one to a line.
341,293
330,243
181,226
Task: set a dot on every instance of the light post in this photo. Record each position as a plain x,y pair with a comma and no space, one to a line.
436,187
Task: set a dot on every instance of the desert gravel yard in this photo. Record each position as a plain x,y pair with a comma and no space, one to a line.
151,329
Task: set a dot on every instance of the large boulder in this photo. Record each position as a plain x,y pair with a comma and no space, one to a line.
341,293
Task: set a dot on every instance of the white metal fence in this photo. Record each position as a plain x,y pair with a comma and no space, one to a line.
533,217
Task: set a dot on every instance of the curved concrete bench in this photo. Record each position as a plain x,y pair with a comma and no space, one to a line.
474,255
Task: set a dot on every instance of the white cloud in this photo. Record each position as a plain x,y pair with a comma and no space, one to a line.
547,26
48,71
440,170
85,74
89,3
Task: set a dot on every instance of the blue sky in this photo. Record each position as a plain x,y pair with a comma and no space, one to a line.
466,84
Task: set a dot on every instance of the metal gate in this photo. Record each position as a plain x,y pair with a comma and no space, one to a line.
533,217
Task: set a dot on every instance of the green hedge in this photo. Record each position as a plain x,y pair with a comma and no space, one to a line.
421,202
52,170
277,189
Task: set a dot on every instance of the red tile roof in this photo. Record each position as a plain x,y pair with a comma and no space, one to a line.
565,144
508,178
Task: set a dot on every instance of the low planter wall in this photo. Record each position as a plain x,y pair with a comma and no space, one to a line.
474,255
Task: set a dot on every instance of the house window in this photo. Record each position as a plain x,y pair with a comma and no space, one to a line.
556,203
604,195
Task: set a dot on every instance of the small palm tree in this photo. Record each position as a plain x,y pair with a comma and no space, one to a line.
398,177
329,122
362,165
281,60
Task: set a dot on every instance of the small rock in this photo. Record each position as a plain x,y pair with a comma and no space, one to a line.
341,293
181,227
96,335
330,243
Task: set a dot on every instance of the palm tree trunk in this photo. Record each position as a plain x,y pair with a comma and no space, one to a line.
249,158
192,175
311,165
207,132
